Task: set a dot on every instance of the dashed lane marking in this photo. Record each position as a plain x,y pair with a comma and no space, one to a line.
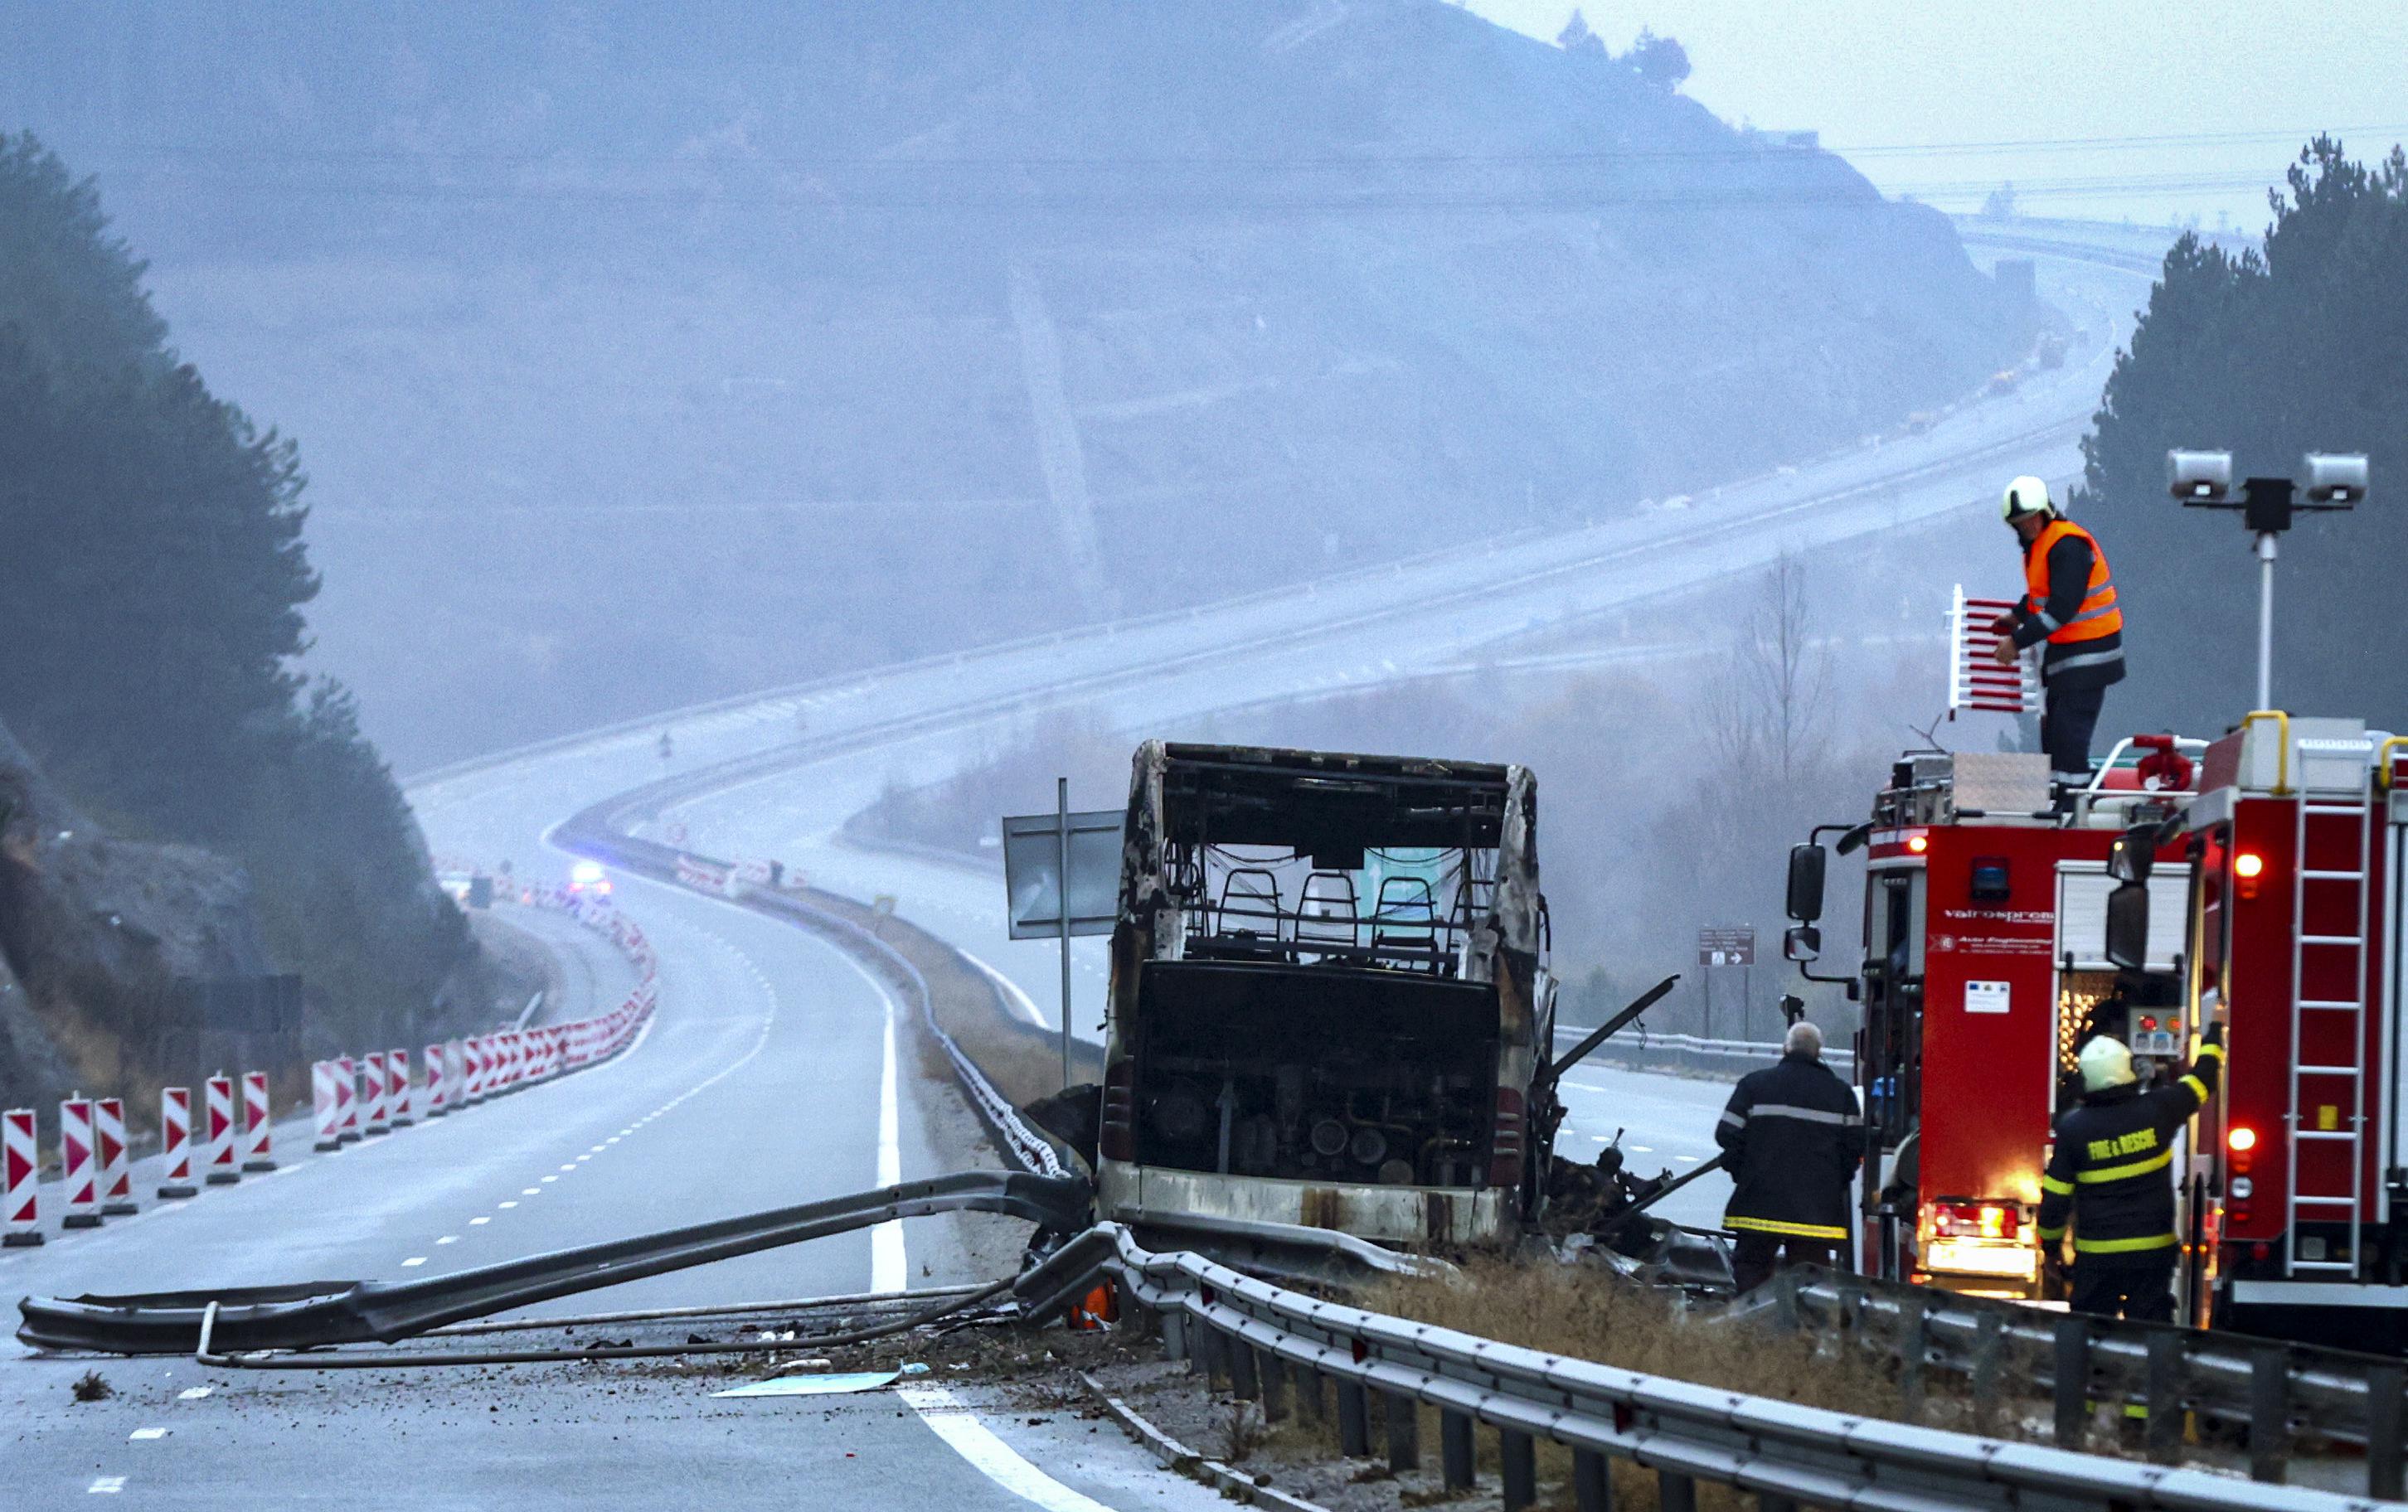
107,1486
192,1393
474,1221
448,1238
415,1260
141,1435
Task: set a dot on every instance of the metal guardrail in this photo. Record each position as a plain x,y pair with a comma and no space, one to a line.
2276,1389
318,1314
1719,1058
1269,1343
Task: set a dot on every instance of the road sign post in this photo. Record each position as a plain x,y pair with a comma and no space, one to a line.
1726,944
1061,878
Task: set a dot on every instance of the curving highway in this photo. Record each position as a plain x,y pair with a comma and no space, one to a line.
775,1070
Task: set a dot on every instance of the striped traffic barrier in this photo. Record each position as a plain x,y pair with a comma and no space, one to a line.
396,1082
176,1142
256,1156
372,1092
19,1157
116,1164
328,1112
436,1090
219,1167
347,1100
79,1174
472,1072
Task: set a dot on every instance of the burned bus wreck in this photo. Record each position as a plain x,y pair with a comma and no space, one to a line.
1328,991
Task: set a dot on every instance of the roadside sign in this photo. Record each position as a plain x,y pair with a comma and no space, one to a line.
1727,946
1033,849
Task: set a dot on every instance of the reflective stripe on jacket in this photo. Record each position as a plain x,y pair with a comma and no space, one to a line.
2070,602
1795,1139
2112,1169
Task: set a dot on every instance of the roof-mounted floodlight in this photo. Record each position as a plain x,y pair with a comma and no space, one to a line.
2199,476
2336,479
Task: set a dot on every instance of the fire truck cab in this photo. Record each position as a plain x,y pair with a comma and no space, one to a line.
2299,1201
1983,968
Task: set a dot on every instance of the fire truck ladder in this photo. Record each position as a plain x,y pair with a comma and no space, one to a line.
2329,1206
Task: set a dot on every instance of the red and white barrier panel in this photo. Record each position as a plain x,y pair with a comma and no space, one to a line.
176,1142
472,1070
116,1161
397,1078
329,1113
256,1156
437,1062
219,1167
347,1100
19,1151
372,1092
80,1172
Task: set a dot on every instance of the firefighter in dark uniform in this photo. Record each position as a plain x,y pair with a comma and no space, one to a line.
1794,1138
2069,603
2111,1172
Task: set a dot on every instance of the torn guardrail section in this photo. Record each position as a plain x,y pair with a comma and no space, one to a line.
332,1313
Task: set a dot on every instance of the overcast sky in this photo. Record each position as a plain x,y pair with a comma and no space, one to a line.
2146,111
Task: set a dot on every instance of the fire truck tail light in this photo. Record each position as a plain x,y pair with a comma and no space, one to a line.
1976,1221
2248,864
1918,843
2242,1139
2242,1188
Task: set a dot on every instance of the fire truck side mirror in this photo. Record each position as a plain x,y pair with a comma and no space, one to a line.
2132,853
2127,926
1802,942
1806,862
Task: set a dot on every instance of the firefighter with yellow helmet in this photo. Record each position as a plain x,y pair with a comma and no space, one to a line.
2068,606
2111,1174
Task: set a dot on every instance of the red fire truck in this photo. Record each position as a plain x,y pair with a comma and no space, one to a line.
2297,1201
1985,966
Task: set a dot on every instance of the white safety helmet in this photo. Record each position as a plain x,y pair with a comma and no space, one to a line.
2106,1062
2026,495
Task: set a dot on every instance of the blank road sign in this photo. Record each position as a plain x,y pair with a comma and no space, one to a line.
1032,866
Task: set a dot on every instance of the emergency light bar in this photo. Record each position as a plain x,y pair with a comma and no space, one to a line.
1975,681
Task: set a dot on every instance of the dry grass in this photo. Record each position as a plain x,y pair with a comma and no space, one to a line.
1595,1314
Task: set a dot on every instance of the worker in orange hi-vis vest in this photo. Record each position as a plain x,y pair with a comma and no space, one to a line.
2068,603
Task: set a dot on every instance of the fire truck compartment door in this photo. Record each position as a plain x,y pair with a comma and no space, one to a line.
2082,889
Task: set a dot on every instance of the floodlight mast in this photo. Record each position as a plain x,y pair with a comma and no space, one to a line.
2203,481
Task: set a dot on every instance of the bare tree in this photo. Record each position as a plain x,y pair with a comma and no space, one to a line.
1785,670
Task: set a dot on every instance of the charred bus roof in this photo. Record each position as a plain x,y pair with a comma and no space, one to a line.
1331,802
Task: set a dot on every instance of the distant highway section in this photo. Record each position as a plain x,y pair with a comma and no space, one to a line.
776,775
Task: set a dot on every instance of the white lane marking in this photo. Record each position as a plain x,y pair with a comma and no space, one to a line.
1011,992
888,1269
597,1149
552,1178
141,1434
107,1486
448,1238
526,1192
570,1167
192,1393
474,1221
974,1441
513,1203
415,1260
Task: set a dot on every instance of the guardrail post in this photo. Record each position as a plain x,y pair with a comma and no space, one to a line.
1271,1376
1213,1350
2385,1385
1517,1466
1774,1502
2071,1386
1244,1383
1454,1450
1592,1482
1174,1338
1404,1434
1914,1353
1353,1420
2270,1415
1675,1493
2164,1395
1309,1402
1989,1335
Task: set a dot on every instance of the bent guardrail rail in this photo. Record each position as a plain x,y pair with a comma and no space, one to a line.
317,1315
1266,1339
